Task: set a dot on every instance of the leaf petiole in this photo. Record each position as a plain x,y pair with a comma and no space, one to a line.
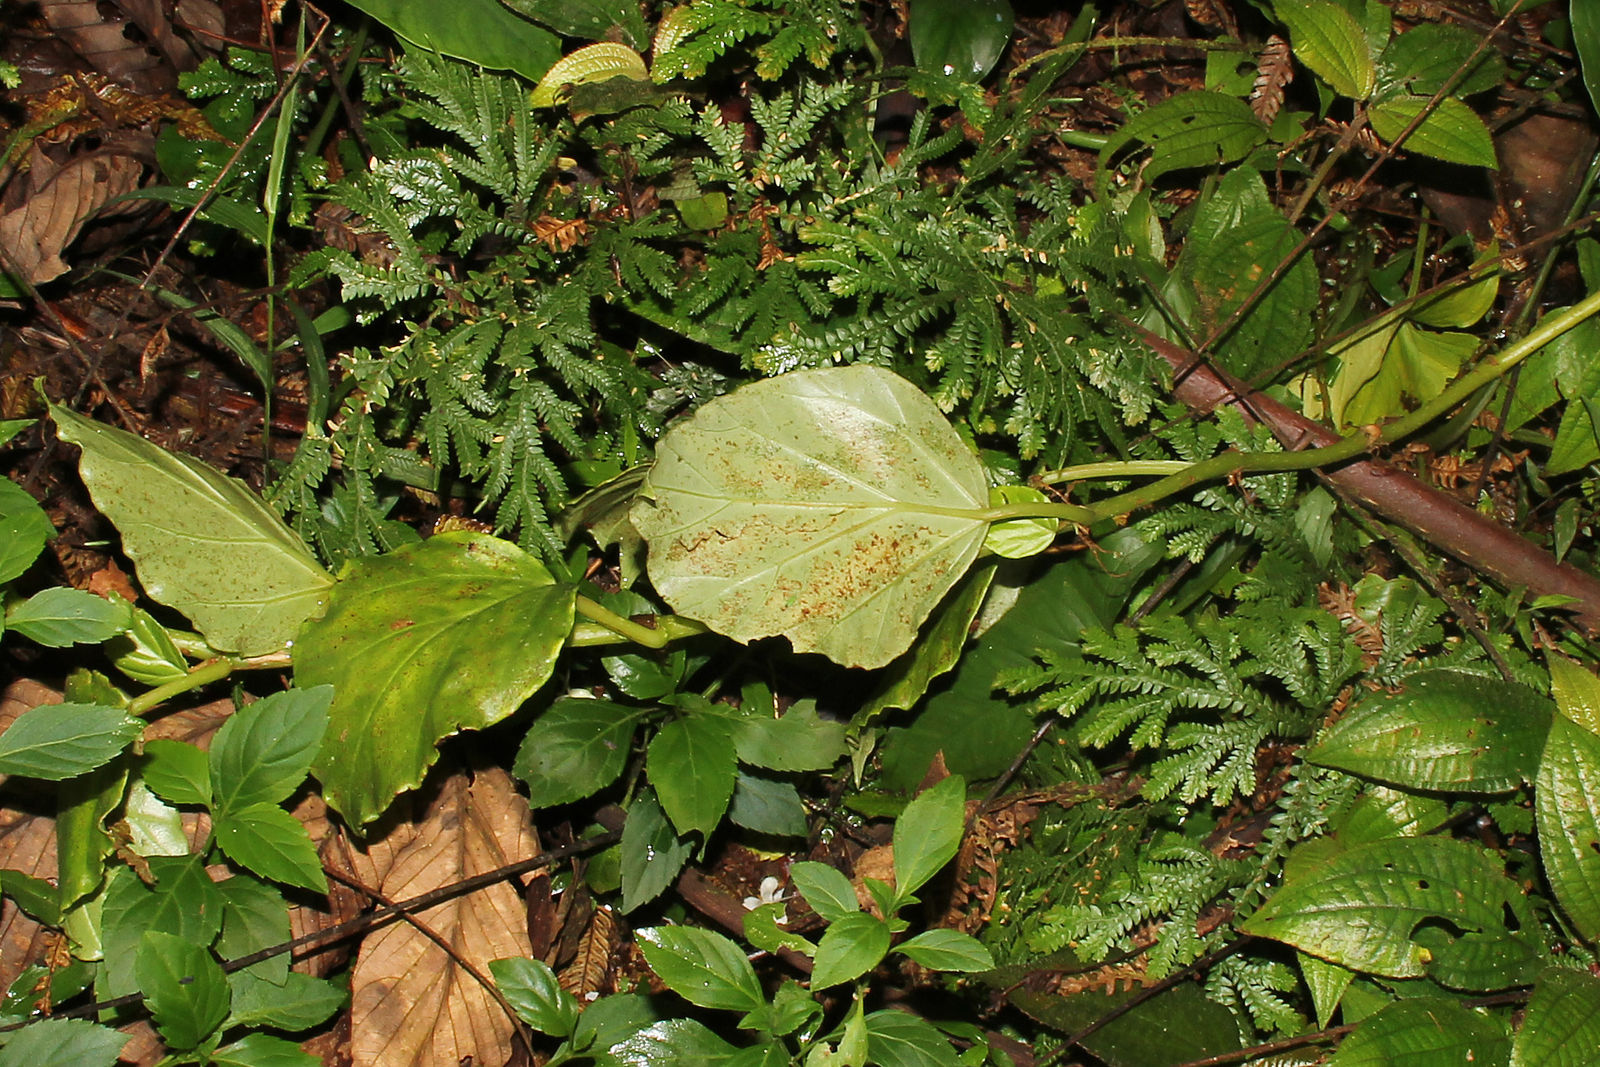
609,626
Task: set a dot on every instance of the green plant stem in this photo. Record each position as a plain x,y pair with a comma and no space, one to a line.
1356,444
1130,469
203,674
612,628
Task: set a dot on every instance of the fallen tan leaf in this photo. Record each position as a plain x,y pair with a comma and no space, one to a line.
27,844
411,1004
35,234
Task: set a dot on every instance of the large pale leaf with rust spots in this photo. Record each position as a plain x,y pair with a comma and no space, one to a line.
835,507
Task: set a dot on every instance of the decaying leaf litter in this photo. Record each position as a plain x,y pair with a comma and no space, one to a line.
108,345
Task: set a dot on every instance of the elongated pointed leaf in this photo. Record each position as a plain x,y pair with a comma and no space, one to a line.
948,950
480,31
827,890
836,507
1562,1026
75,1041
65,740
1424,1032
928,833
62,616
1330,41
269,841
406,646
1360,908
262,753
1446,731
534,991
652,853
692,765
702,967
574,749
901,1039
1567,811
204,543
1452,132
851,947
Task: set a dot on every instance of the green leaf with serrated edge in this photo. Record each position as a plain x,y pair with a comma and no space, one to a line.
1567,811
1327,983
574,749
947,950
928,833
254,916
1328,39
59,741
1359,908
1452,132
671,1041
146,653
1576,691
936,653
702,967
179,903
403,645
610,1020
1424,1032
1445,731
62,616
299,1002
264,751
24,528
691,764
767,806
829,892
835,507
263,1050
75,1041
1019,538
1585,22
1562,1024
851,947
479,31
791,1008
1426,56
531,987
797,740
183,986
204,543
265,839
652,852
900,1039
959,39
763,930
1193,129
176,772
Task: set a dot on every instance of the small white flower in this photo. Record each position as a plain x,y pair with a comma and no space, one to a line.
770,890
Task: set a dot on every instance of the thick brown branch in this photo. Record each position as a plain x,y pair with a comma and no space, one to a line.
1440,519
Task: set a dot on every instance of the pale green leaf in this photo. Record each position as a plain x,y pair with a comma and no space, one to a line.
672,1041
705,968
1567,811
1416,366
593,63
1424,1032
826,889
1327,983
483,32
61,616
57,741
851,947
203,542
264,750
1359,909
1019,538
947,950
269,841
183,986
75,1041
533,990
146,653
1576,691
404,646
1562,1024
576,748
1329,40
835,506
1445,731
155,828
691,764
928,833
1452,132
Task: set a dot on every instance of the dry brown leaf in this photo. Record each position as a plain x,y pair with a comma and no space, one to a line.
34,235
1273,72
590,970
27,844
411,1004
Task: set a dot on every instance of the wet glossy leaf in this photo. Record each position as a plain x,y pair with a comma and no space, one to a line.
826,889
703,967
1329,40
927,834
1360,908
480,31
1562,1025
960,39
203,542
1567,810
947,950
671,1042
836,507
1445,731
1424,1032
533,989
652,852
403,645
